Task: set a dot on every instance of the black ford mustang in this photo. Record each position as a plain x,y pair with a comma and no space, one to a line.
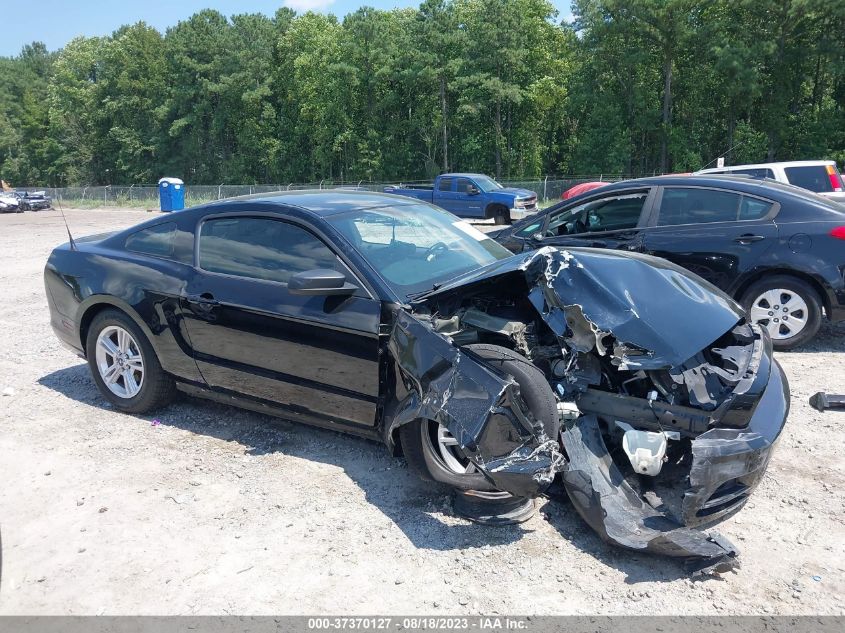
596,371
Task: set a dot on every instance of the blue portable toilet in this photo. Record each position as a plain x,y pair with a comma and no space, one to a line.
171,194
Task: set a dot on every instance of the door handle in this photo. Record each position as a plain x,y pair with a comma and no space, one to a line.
748,238
205,301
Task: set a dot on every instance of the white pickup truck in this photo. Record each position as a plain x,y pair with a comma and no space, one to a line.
819,176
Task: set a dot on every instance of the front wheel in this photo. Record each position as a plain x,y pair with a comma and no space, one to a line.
789,308
124,364
434,454
501,215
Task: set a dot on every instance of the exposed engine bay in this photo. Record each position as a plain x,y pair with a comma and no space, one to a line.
663,424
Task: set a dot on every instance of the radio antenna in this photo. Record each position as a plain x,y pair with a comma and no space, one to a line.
62,211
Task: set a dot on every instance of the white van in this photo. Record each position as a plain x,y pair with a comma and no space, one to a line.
820,176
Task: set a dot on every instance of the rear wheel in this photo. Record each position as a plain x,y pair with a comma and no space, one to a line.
124,364
788,307
434,454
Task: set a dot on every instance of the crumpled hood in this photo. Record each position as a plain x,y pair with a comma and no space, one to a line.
661,313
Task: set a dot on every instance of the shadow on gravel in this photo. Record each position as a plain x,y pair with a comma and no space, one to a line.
386,482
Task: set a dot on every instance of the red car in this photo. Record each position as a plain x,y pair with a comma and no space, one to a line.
578,189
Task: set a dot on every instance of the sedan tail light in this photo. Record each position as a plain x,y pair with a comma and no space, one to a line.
838,232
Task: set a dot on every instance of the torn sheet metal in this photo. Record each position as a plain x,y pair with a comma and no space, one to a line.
584,295
620,516
481,408
728,463
602,293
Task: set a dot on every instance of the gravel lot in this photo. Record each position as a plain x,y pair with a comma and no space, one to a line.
218,511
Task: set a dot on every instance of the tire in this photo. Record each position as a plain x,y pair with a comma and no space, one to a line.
500,215
155,388
418,438
797,300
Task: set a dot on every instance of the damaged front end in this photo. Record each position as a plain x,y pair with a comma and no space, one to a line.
669,403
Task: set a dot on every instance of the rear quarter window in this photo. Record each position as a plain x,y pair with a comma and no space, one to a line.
157,240
754,208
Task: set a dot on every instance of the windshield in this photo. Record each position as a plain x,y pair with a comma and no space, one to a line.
417,247
486,184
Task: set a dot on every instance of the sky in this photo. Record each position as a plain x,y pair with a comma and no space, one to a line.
56,22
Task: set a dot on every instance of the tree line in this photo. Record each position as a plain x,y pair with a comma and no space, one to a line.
503,87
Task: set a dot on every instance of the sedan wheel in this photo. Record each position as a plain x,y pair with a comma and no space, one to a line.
788,308
120,362
782,312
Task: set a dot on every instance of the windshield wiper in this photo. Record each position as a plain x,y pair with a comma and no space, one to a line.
419,295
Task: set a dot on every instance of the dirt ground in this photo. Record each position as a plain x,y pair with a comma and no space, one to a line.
219,511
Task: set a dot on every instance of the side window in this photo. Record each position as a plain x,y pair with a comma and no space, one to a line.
754,208
464,184
156,240
445,184
261,248
696,206
610,213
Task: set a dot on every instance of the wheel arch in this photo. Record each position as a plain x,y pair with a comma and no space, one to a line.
814,283
97,304
492,207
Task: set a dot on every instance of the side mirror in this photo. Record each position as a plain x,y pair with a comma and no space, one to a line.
537,237
320,282
473,190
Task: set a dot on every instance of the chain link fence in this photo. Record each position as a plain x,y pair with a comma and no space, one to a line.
549,189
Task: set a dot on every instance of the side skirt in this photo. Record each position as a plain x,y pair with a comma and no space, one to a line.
291,414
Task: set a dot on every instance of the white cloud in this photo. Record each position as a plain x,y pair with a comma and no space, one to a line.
308,5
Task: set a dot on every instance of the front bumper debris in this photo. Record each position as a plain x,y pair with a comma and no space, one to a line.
728,463
595,304
620,516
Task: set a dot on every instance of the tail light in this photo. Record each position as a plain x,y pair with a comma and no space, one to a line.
838,233
835,178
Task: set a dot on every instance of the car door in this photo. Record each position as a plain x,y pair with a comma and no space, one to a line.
316,356
610,220
469,199
445,195
717,234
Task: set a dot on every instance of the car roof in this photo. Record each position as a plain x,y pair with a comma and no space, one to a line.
322,203
765,187
789,163
724,181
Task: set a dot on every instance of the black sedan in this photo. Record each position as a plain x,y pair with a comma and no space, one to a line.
392,319
778,249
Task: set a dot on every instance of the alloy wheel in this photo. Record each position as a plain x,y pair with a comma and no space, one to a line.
120,362
784,313
448,450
